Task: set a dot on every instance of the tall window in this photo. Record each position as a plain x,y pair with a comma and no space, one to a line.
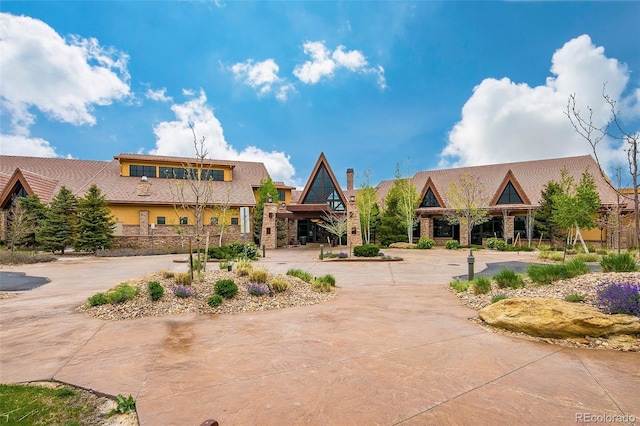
281,195
429,200
323,191
442,228
136,170
509,196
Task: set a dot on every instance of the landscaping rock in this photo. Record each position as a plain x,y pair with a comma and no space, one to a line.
546,317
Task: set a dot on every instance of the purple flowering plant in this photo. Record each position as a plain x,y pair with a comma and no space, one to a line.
183,291
619,298
256,289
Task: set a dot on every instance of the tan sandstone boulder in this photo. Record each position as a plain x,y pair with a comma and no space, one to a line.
556,318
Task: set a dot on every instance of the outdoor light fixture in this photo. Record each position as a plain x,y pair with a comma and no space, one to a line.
283,205
269,200
352,198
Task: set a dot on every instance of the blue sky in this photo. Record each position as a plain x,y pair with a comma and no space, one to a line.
370,84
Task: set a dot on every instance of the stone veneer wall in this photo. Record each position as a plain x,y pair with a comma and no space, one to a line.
166,236
269,236
426,227
354,231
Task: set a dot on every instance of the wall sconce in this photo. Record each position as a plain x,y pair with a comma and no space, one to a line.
269,200
352,198
283,205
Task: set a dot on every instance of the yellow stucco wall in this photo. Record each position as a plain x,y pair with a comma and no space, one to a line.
130,214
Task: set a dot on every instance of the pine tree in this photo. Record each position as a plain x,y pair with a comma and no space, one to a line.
544,215
94,228
58,228
392,228
35,215
267,189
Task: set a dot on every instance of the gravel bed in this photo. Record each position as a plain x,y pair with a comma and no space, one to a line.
586,285
299,293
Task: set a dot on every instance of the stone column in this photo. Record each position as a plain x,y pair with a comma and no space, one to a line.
3,225
509,227
269,237
464,237
426,227
354,233
144,222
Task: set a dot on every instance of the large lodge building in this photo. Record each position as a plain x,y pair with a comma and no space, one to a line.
141,193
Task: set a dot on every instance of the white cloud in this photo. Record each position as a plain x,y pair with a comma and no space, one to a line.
504,121
174,138
158,95
261,76
26,146
324,63
64,78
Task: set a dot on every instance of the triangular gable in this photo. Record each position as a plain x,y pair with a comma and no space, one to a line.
510,183
16,179
322,187
430,189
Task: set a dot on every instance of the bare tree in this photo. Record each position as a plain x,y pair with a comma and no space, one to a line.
366,198
468,203
18,223
614,129
193,194
221,214
335,224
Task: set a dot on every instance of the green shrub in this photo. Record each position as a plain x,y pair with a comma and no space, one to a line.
183,278
544,247
496,244
156,291
226,288
508,278
602,251
98,299
214,300
574,297
279,285
322,286
367,250
304,276
224,265
491,242
459,285
498,297
258,276
425,243
623,262
546,274
587,257
452,245
330,279
122,293
481,285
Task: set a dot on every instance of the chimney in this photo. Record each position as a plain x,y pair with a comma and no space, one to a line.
144,187
349,179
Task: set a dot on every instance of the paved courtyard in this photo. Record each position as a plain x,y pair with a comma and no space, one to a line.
395,347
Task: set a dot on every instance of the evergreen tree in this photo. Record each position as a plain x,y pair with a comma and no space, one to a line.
35,216
544,215
94,228
392,228
267,189
58,228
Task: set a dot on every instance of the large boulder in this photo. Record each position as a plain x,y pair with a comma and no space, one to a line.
556,318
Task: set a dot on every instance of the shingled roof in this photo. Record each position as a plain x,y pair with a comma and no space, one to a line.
79,175
528,178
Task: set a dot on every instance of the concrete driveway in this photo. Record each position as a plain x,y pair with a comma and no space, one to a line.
395,347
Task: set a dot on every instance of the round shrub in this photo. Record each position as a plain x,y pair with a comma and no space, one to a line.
367,250
619,298
98,299
122,293
214,300
425,243
156,291
452,245
256,289
226,288
491,242
501,245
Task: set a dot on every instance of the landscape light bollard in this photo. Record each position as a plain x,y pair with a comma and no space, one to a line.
470,261
229,266
263,251
321,251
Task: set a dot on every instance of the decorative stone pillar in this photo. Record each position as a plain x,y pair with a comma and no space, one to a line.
144,222
464,235
354,233
509,227
3,225
426,227
269,234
